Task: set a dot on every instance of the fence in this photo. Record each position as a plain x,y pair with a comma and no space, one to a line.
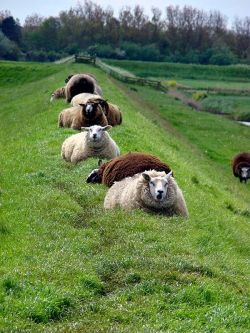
119,76
82,58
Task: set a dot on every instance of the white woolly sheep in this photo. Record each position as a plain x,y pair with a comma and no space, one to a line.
93,142
150,190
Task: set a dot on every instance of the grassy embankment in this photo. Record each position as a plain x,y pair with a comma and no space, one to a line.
227,87
69,266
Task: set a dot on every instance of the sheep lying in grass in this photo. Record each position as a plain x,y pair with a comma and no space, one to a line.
93,142
77,84
111,111
84,115
151,191
126,166
58,93
97,88
241,166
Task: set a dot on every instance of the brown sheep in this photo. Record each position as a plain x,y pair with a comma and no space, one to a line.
114,115
83,115
77,84
92,78
126,166
112,111
58,93
241,166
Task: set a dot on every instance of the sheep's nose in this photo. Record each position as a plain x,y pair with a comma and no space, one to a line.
94,136
159,194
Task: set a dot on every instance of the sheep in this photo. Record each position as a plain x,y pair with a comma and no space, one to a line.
97,90
111,111
78,83
82,115
83,98
126,166
241,166
151,191
58,93
93,142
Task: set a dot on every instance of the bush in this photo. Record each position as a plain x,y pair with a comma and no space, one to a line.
199,95
217,105
222,56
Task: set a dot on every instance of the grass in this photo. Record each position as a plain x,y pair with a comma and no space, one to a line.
240,73
69,266
215,84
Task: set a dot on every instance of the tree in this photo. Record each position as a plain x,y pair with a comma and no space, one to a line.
11,29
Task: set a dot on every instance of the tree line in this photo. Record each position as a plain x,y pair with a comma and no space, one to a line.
175,34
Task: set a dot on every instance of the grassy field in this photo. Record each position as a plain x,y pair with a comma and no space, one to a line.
239,73
228,87
214,84
66,265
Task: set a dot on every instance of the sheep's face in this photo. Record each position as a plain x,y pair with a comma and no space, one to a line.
158,186
90,109
245,173
96,132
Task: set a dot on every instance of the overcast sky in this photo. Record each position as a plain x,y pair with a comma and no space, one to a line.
22,8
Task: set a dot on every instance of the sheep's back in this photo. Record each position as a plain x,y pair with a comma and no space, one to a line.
128,165
83,98
77,84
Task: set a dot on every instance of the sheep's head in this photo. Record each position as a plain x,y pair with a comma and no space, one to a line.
91,108
68,78
244,174
158,184
96,132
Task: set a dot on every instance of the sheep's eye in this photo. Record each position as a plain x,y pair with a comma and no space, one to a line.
165,184
152,183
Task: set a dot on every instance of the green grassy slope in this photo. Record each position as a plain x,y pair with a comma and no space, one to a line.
239,73
66,265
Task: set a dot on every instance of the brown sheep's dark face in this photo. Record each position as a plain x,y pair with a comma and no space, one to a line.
91,110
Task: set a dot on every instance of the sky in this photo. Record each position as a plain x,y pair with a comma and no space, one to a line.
22,8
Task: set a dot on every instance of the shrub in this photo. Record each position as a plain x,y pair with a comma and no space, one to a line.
217,105
199,95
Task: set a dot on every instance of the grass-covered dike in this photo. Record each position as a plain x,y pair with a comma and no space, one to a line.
69,266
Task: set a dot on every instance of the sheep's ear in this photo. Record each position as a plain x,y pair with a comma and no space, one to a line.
146,176
68,78
170,174
84,128
106,128
105,105
83,108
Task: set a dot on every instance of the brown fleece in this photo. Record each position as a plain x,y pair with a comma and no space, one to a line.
114,115
240,161
79,83
128,165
